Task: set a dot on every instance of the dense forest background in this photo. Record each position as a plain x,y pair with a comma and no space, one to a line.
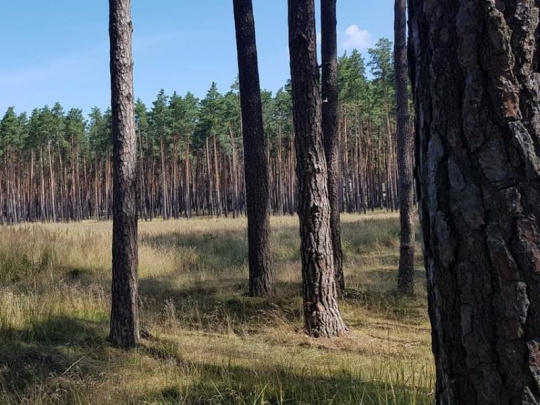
56,165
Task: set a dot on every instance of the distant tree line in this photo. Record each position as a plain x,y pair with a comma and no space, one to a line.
57,165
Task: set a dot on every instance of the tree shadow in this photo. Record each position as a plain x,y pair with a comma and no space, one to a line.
59,330
223,306
219,249
47,350
389,304
382,279
280,384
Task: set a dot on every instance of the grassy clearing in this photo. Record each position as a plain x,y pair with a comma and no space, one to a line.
211,344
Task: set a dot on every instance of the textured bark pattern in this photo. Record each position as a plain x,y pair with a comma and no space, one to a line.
405,146
475,74
321,313
330,96
261,280
125,312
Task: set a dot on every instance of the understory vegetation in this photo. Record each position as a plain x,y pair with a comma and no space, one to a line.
206,341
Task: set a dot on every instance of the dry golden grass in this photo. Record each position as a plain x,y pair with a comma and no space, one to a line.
210,343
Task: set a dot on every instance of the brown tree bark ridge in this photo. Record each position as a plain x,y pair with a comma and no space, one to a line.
261,279
124,312
474,69
321,313
330,95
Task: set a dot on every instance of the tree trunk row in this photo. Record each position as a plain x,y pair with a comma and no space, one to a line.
43,184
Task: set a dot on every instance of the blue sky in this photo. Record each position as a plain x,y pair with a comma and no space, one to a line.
58,50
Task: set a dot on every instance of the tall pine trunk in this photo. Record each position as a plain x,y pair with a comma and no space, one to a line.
475,78
330,128
164,194
261,279
321,313
51,183
125,312
187,194
405,145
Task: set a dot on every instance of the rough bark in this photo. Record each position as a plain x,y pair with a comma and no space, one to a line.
261,279
405,146
321,313
475,77
330,96
124,313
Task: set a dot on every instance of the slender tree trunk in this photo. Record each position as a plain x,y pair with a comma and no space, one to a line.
321,313
51,183
217,182
187,183
209,182
405,147
62,182
330,128
141,183
234,172
43,207
152,189
292,188
31,212
164,194
125,312
474,68
96,190
175,205
279,173
261,279
107,185
347,199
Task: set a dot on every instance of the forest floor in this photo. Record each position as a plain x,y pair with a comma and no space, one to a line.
210,344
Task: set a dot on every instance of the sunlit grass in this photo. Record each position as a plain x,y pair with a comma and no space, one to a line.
211,344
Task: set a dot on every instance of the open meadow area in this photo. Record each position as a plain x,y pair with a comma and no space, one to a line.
208,342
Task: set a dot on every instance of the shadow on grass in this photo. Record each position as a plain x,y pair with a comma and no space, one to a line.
228,248
61,330
221,307
281,387
389,305
236,384
47,363
223,250
382,279
52,349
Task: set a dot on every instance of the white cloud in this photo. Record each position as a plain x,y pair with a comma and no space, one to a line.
355,38
319,38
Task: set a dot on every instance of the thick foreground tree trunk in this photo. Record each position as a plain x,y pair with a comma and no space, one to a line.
321,313
330,95
261,279
405,146
124,313
476,81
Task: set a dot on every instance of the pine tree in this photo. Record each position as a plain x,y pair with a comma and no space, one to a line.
474,72
261,279
321,313
330,97
125,311
405,146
